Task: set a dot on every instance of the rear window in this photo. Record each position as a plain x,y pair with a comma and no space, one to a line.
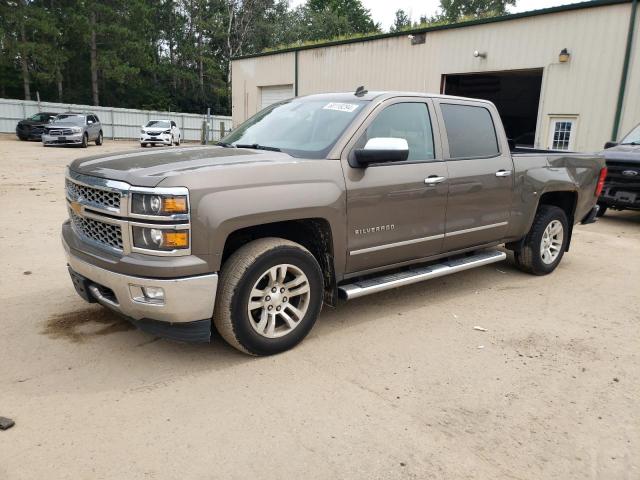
470,131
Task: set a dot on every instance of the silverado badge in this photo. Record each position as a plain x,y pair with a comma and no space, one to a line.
379,228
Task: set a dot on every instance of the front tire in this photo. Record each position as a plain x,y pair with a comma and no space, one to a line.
269,296
85,141
544,245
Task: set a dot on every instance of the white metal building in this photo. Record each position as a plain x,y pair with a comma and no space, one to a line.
565,77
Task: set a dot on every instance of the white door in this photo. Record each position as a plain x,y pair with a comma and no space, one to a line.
274,94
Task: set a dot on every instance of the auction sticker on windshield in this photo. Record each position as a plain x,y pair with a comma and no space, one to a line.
340,107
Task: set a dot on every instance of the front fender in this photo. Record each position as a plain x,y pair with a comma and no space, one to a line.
231,210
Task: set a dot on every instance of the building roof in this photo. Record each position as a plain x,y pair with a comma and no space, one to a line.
469,23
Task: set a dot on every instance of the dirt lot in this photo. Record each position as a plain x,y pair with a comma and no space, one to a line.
397,385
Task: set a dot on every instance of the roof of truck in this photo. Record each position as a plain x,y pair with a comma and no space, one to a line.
382,95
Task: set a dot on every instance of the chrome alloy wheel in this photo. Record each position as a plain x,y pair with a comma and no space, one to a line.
551,242
279,301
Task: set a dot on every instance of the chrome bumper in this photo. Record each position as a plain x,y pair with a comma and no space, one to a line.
55,139
185,299
157,139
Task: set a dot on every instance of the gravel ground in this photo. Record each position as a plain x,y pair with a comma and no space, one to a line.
397,385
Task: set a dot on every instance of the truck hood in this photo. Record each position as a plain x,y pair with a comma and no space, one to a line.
148,168
623,152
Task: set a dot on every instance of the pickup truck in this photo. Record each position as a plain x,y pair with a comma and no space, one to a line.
312,200
622,186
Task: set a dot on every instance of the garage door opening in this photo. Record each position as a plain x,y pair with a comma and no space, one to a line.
515,93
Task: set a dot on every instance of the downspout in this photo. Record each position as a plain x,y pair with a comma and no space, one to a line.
295,73
625,70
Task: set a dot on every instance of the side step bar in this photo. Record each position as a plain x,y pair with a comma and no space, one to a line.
415,275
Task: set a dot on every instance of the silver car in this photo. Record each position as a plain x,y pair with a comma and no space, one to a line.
73,129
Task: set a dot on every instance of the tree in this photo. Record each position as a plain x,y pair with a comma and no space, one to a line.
455,10
326,19
401,22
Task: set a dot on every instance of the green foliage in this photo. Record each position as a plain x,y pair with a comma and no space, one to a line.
401,22
458,10
158,54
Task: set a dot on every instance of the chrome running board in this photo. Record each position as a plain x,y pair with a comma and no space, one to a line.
419,274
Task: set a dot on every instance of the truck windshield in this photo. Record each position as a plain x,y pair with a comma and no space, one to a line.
305,128
633,138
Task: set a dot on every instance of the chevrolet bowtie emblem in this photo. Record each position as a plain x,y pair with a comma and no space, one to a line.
76,207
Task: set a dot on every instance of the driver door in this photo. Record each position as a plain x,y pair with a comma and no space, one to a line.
396,210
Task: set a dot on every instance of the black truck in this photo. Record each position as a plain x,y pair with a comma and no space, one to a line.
622,186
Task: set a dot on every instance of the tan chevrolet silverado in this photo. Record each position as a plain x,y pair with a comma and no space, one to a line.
312,200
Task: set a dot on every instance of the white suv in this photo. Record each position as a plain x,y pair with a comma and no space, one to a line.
163,132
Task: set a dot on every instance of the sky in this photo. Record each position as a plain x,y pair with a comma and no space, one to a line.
383,11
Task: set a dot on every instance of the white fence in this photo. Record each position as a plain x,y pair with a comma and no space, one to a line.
116,122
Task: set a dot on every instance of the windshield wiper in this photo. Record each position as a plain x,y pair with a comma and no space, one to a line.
631,143
255,146
225,145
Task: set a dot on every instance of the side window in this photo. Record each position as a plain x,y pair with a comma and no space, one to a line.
562,132
470,131
173,124
404,120
95,119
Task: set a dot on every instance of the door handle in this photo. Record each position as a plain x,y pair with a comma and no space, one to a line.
434,180
503,173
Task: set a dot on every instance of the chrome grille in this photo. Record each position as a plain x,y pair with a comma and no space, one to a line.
100,232
57,132
94,196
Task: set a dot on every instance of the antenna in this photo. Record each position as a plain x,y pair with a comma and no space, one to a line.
360,91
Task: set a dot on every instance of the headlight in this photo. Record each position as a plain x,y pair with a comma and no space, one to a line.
167,131
76,129
148,204
160,239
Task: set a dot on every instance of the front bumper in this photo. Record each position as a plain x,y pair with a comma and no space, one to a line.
621,196
164,139
29,134
187,301
62,139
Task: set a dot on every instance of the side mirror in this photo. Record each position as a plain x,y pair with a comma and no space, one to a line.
382,150
610,144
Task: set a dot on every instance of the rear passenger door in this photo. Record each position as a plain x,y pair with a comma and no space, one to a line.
480,174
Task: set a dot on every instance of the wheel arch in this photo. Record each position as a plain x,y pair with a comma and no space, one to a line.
567,200
315,234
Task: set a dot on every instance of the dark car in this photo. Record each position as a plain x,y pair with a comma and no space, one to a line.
622,186
31,128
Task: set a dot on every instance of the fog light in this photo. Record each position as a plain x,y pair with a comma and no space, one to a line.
155,294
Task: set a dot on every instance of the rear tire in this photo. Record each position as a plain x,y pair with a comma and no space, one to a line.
99,139
544,245
178,141
602,211
269,296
